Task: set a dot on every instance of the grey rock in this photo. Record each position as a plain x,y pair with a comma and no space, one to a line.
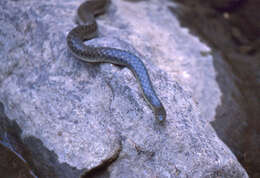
85,116
232,28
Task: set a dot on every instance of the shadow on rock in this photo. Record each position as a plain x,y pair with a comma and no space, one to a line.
230,28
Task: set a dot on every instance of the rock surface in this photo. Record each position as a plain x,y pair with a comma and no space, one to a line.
76,117
236,28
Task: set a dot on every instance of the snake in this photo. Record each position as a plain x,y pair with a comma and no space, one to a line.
87,29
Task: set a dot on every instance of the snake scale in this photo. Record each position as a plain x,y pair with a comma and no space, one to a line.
87,29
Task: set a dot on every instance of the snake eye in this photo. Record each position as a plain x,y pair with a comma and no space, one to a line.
160,114
160,118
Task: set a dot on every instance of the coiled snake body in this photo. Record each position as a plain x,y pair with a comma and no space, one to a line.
87,29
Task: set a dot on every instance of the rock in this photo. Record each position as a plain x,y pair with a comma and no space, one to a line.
236,59
12,164
77,117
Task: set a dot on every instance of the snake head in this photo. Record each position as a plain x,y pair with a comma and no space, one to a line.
160,114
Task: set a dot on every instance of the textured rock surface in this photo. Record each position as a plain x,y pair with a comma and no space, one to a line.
235,25
84,116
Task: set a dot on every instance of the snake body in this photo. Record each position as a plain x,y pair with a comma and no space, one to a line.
87,29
